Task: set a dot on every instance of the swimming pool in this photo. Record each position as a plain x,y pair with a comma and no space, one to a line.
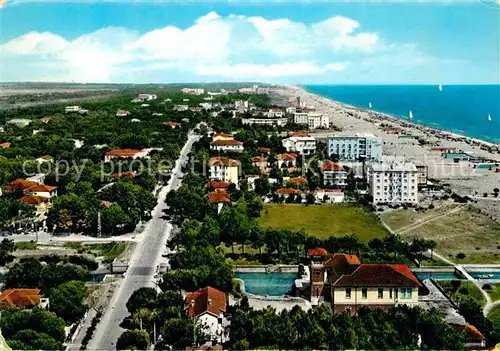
272,284
436,275
485,275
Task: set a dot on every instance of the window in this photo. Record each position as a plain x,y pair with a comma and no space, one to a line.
390,293
348,293
380,293
364,293
406,293
396,295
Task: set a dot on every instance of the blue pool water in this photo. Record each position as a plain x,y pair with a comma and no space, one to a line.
273,284
437,276
462,109
481,275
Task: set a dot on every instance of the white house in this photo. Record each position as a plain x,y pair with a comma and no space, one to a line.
393,182
122,113
69,109
224,169
329,196
274,112
181,107
42,190
303,145
193,91
208,307
20,122
351,147
147,97
241,105
280,122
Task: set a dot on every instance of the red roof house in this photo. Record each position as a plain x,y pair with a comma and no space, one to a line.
218,196
23,298
332,166
207,300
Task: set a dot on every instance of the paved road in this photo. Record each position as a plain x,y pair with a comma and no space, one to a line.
142,266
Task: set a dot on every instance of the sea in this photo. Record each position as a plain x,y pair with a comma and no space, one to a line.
462,109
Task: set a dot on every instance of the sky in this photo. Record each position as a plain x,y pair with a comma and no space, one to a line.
294,42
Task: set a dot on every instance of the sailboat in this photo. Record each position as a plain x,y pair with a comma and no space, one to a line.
410,115
440,87
489,117
370,105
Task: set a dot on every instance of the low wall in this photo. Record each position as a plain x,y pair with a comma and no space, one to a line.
267,269
437,269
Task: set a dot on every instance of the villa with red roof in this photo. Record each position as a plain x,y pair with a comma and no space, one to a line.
217,185
22,298
224,169
227,145
349,285
287,160
122,113
208,306
125,153
171,124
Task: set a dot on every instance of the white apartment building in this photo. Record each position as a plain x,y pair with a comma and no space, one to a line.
301,145
351,147
193,91
241,105
274,113
224,169
147,97
334,175
393,182
181,107
291,110
312,120
265,121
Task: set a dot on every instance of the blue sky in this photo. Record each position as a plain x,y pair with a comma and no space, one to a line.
284,42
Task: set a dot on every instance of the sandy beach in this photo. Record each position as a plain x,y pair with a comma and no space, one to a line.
396,133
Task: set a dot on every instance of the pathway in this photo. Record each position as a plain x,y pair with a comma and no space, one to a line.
427,220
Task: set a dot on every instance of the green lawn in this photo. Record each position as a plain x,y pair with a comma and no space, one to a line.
25,245
494,316
323,221
465,290
494,292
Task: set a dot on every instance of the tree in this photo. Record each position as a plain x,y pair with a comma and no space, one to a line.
66,301
262,186
24,274
39,320
133,340
141,298
114,219
54,274
7,247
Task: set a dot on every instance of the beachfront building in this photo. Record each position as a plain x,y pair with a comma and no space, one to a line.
280,122
274,112
208,307
224,169
352,147
311,120
193,91
350,285
393,182
334,175
304,145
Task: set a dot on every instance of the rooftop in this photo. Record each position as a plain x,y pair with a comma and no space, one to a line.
227,142
20,184
379,275
41,187
332,166
19,298
393,167
297,180
218,196
287,191
290,156
208,300
217,184
33,199
123,152
223,161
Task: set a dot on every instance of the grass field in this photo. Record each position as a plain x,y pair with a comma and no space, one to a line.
323,221
456,229
494,316
494,292
465,290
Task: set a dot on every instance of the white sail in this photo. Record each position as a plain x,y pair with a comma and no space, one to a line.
440,87
410,115
489,117
370,105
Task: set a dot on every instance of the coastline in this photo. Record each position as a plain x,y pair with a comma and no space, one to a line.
414,142
382,116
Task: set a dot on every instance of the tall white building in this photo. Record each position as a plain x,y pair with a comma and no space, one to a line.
241,105
352,147
303,145
312,120
193,91
393,182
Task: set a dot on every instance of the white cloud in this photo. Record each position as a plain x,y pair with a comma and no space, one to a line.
233,46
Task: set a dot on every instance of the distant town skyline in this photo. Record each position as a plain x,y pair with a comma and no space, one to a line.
292,42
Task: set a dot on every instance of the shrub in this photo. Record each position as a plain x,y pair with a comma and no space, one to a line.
486,287
463,290
460,255
431,206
